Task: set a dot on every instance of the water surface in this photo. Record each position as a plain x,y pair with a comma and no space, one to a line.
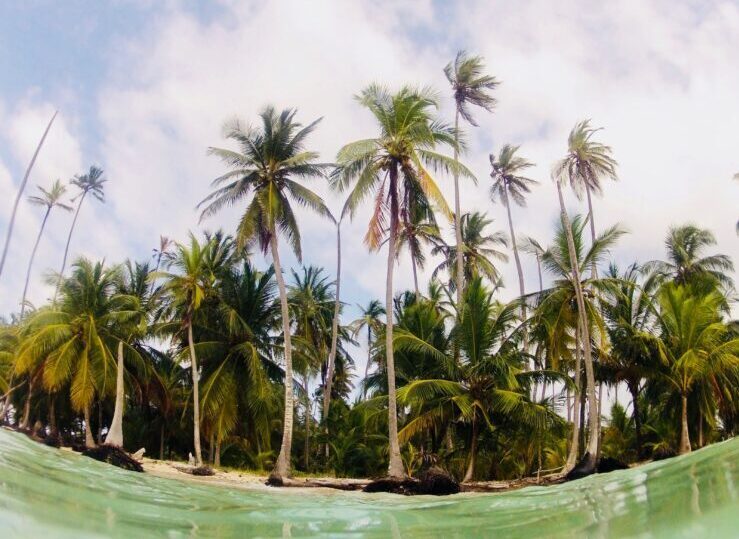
49,493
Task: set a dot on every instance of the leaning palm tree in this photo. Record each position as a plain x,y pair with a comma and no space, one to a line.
480,249
19,195
509,183
370,320
184,291
266,168
48,199
392,166
587,163
91,182
471,87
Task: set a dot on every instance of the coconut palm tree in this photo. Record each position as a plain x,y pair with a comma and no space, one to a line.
586,164
471,87
48,199
686,262
479,250
92,182
183,292
533,247
418,230
266,168
334,328
19,194
393,167
509,183
74,343
370,320
694,344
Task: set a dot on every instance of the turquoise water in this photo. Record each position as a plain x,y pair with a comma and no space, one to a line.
49,493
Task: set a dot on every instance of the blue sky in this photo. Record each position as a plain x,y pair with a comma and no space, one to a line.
143,87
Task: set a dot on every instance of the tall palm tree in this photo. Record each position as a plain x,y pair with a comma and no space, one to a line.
91,182
509,183
19,195
393,167
694,343
370,320
266,168
334,328
686,262
470,87
184,291
587,163
533,247
479,250
48,199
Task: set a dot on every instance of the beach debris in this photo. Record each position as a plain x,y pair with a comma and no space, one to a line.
139,455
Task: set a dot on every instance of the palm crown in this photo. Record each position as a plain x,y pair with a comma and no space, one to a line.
51,198
587,161
470,85
267,160
91,182
508,180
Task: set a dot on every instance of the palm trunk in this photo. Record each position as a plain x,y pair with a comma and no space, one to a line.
334,335
19,194
700,431
115,433
89,440
634,390
473,453
53,430
369,360
594,435
66,247
217,459
282,467
538,268
161,442
575,443
415,277
30,261
26,421
307,423
457,215
395,468
684,434
195,396
521,286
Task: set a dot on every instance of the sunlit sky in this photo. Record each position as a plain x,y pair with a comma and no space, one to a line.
143,87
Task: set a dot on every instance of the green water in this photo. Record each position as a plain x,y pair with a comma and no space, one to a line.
49,493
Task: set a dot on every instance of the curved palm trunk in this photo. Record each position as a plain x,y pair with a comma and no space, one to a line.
521,286
575,441
30,261
115,433
282,467
89,440
334,332
66,247
195,396
684,432
473,453
589,460
395,468
457,215
19,195
415,277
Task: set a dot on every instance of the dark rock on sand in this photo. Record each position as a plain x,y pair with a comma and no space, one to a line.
438,482
609,464
115,456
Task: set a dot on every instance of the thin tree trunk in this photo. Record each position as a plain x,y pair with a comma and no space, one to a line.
521,286
684,433
161,442
538,268
700,431
195,396
574,444
19,195
307,424
334,335
30,261
212,447
415,277
26,421
395,468
369,360
66,247
53,430
89,440
634,390
594,435
115,433
569,406
282,467
217,460
457,216
470,473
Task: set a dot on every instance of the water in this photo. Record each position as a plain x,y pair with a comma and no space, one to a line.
49,493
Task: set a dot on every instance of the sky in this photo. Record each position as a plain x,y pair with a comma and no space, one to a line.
143,88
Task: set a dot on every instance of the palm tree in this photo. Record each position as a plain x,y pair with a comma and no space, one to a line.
420,228
74,343
686,262
184,292
163,252
49,200
694,344
334,329
586,164
533,247
393,167
370,320
509,183
265,168
19,195
479,250
92,182
470,87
